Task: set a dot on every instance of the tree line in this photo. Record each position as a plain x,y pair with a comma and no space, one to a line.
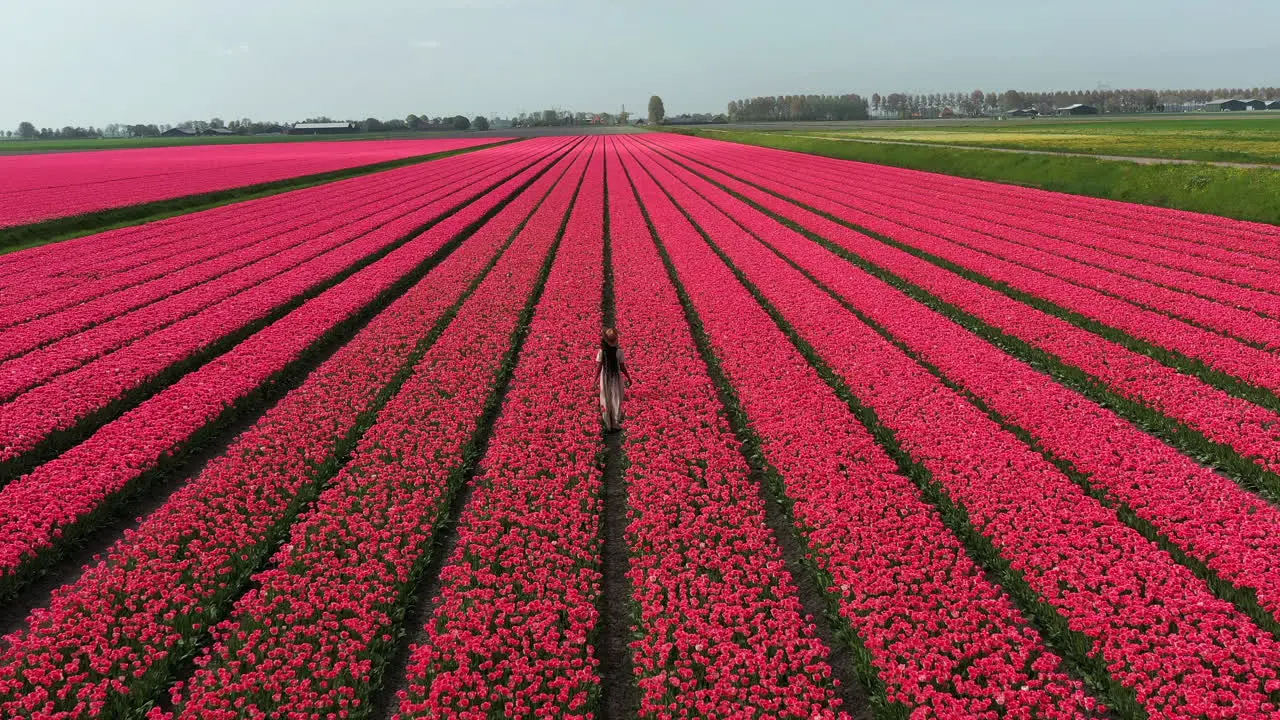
782,108
1134,100
793,108
246,126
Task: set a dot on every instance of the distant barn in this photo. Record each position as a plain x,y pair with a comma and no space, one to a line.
1077,109
1255,104
327,128
217,131
179,132
1024,112
1222,104
1273,105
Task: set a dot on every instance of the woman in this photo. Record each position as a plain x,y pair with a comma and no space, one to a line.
611,366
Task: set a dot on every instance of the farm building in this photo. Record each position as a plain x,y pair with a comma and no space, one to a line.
1077,109
1273,105
326,128
179,132
1225,105
217,131
1255,104
1024,112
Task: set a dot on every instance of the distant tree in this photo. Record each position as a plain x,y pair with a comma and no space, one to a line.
657,112
395,124
217,123
895,103
460,122
413,122
373,124
977,100
480,123
1011,100
26,130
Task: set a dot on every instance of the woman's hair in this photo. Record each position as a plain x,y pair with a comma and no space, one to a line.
609,350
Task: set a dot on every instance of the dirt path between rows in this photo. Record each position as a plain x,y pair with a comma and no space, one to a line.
1119,158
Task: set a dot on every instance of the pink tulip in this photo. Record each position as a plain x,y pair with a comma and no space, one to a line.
1151,619
349,560
47,186
182,561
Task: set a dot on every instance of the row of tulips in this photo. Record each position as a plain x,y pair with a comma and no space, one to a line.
1094,242
1155,225
101,290
1223,314
39,508
1186,264
1204,515
310,638
1192,348
35,188
124,249
1147,621
508,636
115,246
1204,420
721,627
934,636
99,327
28,421
133,617
163,249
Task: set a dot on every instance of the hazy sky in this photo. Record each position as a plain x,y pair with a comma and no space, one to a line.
81,62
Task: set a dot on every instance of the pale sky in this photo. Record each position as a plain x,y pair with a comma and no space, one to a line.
82,62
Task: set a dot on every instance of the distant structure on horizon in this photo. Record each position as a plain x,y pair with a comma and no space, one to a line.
322,128
192,132
1077,109
1238,105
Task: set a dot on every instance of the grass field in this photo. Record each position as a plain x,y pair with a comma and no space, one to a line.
1246,194
1252,139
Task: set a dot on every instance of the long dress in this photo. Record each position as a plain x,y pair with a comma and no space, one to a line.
611,389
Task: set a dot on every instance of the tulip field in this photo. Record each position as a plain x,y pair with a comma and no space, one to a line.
900,445
42,187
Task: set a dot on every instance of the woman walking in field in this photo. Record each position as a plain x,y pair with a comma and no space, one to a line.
611,367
